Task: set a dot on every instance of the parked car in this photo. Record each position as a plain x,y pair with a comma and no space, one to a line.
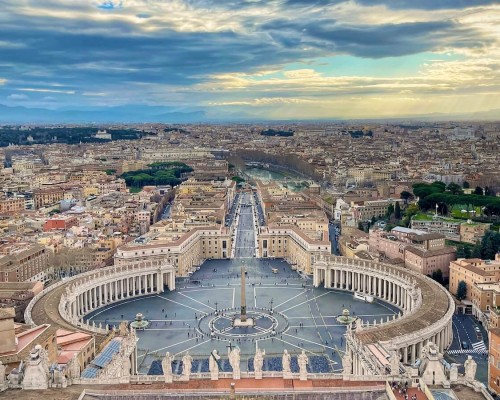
465,345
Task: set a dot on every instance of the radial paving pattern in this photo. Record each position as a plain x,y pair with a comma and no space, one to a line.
302,317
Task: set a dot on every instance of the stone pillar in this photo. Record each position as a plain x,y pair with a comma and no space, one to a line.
405,355
413,349
159,282
105,293
133,285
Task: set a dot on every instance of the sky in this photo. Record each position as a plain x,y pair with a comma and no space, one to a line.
274,59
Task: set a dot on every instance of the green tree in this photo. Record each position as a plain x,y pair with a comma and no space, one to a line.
468,253
466,185
397,211
373,220
453,188
390,210
405,195
488,191
462,290
438,276
460,251
476,250
478,191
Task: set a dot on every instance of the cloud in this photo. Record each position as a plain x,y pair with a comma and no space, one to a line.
17,97
194,52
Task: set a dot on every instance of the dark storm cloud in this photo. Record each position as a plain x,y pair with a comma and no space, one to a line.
166,57
387,40
402,4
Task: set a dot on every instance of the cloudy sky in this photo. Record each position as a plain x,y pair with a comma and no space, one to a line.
265,58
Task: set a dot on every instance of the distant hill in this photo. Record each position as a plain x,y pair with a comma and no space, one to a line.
129,113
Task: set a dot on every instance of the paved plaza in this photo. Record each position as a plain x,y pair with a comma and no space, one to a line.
302,317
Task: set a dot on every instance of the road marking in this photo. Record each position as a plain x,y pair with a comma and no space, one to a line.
176,302
288,300
307,301
199,302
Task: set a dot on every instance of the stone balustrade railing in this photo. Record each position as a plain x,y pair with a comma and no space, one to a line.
78,284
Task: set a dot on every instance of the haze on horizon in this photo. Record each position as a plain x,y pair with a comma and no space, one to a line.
276,59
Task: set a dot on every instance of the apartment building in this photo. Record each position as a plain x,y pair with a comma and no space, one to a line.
372,208
453,229
21,262
291,243
494,360
482,278
450,228
420,251
471,232
12,205
47,197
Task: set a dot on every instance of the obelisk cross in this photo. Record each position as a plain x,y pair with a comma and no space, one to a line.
243,316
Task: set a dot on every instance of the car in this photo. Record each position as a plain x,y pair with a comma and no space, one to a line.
476,328
465,345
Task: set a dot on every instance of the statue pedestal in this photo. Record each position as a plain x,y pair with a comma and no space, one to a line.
303,377
169,378
287,375
258,374
214,376
236,374
238,323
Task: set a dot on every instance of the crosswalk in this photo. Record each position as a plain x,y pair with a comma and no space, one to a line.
477,348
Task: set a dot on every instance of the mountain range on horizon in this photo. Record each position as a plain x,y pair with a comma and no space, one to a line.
139,113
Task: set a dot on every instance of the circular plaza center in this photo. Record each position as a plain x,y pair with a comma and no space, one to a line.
287,312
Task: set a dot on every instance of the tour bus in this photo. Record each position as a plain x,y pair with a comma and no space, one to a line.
364,297
275,270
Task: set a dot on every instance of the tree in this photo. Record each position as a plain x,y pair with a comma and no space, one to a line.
390,210
373,220
467,251
438,276
453,188
397,211
476,251
488,191
405,195
466,185
478,191
462,290
461,252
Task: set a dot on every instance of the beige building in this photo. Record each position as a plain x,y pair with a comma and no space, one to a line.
471,232
372,208
422,252
291,243
47,197
482,278
21,262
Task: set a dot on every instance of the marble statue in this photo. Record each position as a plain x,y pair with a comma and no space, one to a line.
213,365
285,360
303,360
167,367
347,363
258,363
59,380
123,329
470,369
453,373
234,360
394,362
73,367
2,373
36,374
187,362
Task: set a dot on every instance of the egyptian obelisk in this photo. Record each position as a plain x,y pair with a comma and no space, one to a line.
243,315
